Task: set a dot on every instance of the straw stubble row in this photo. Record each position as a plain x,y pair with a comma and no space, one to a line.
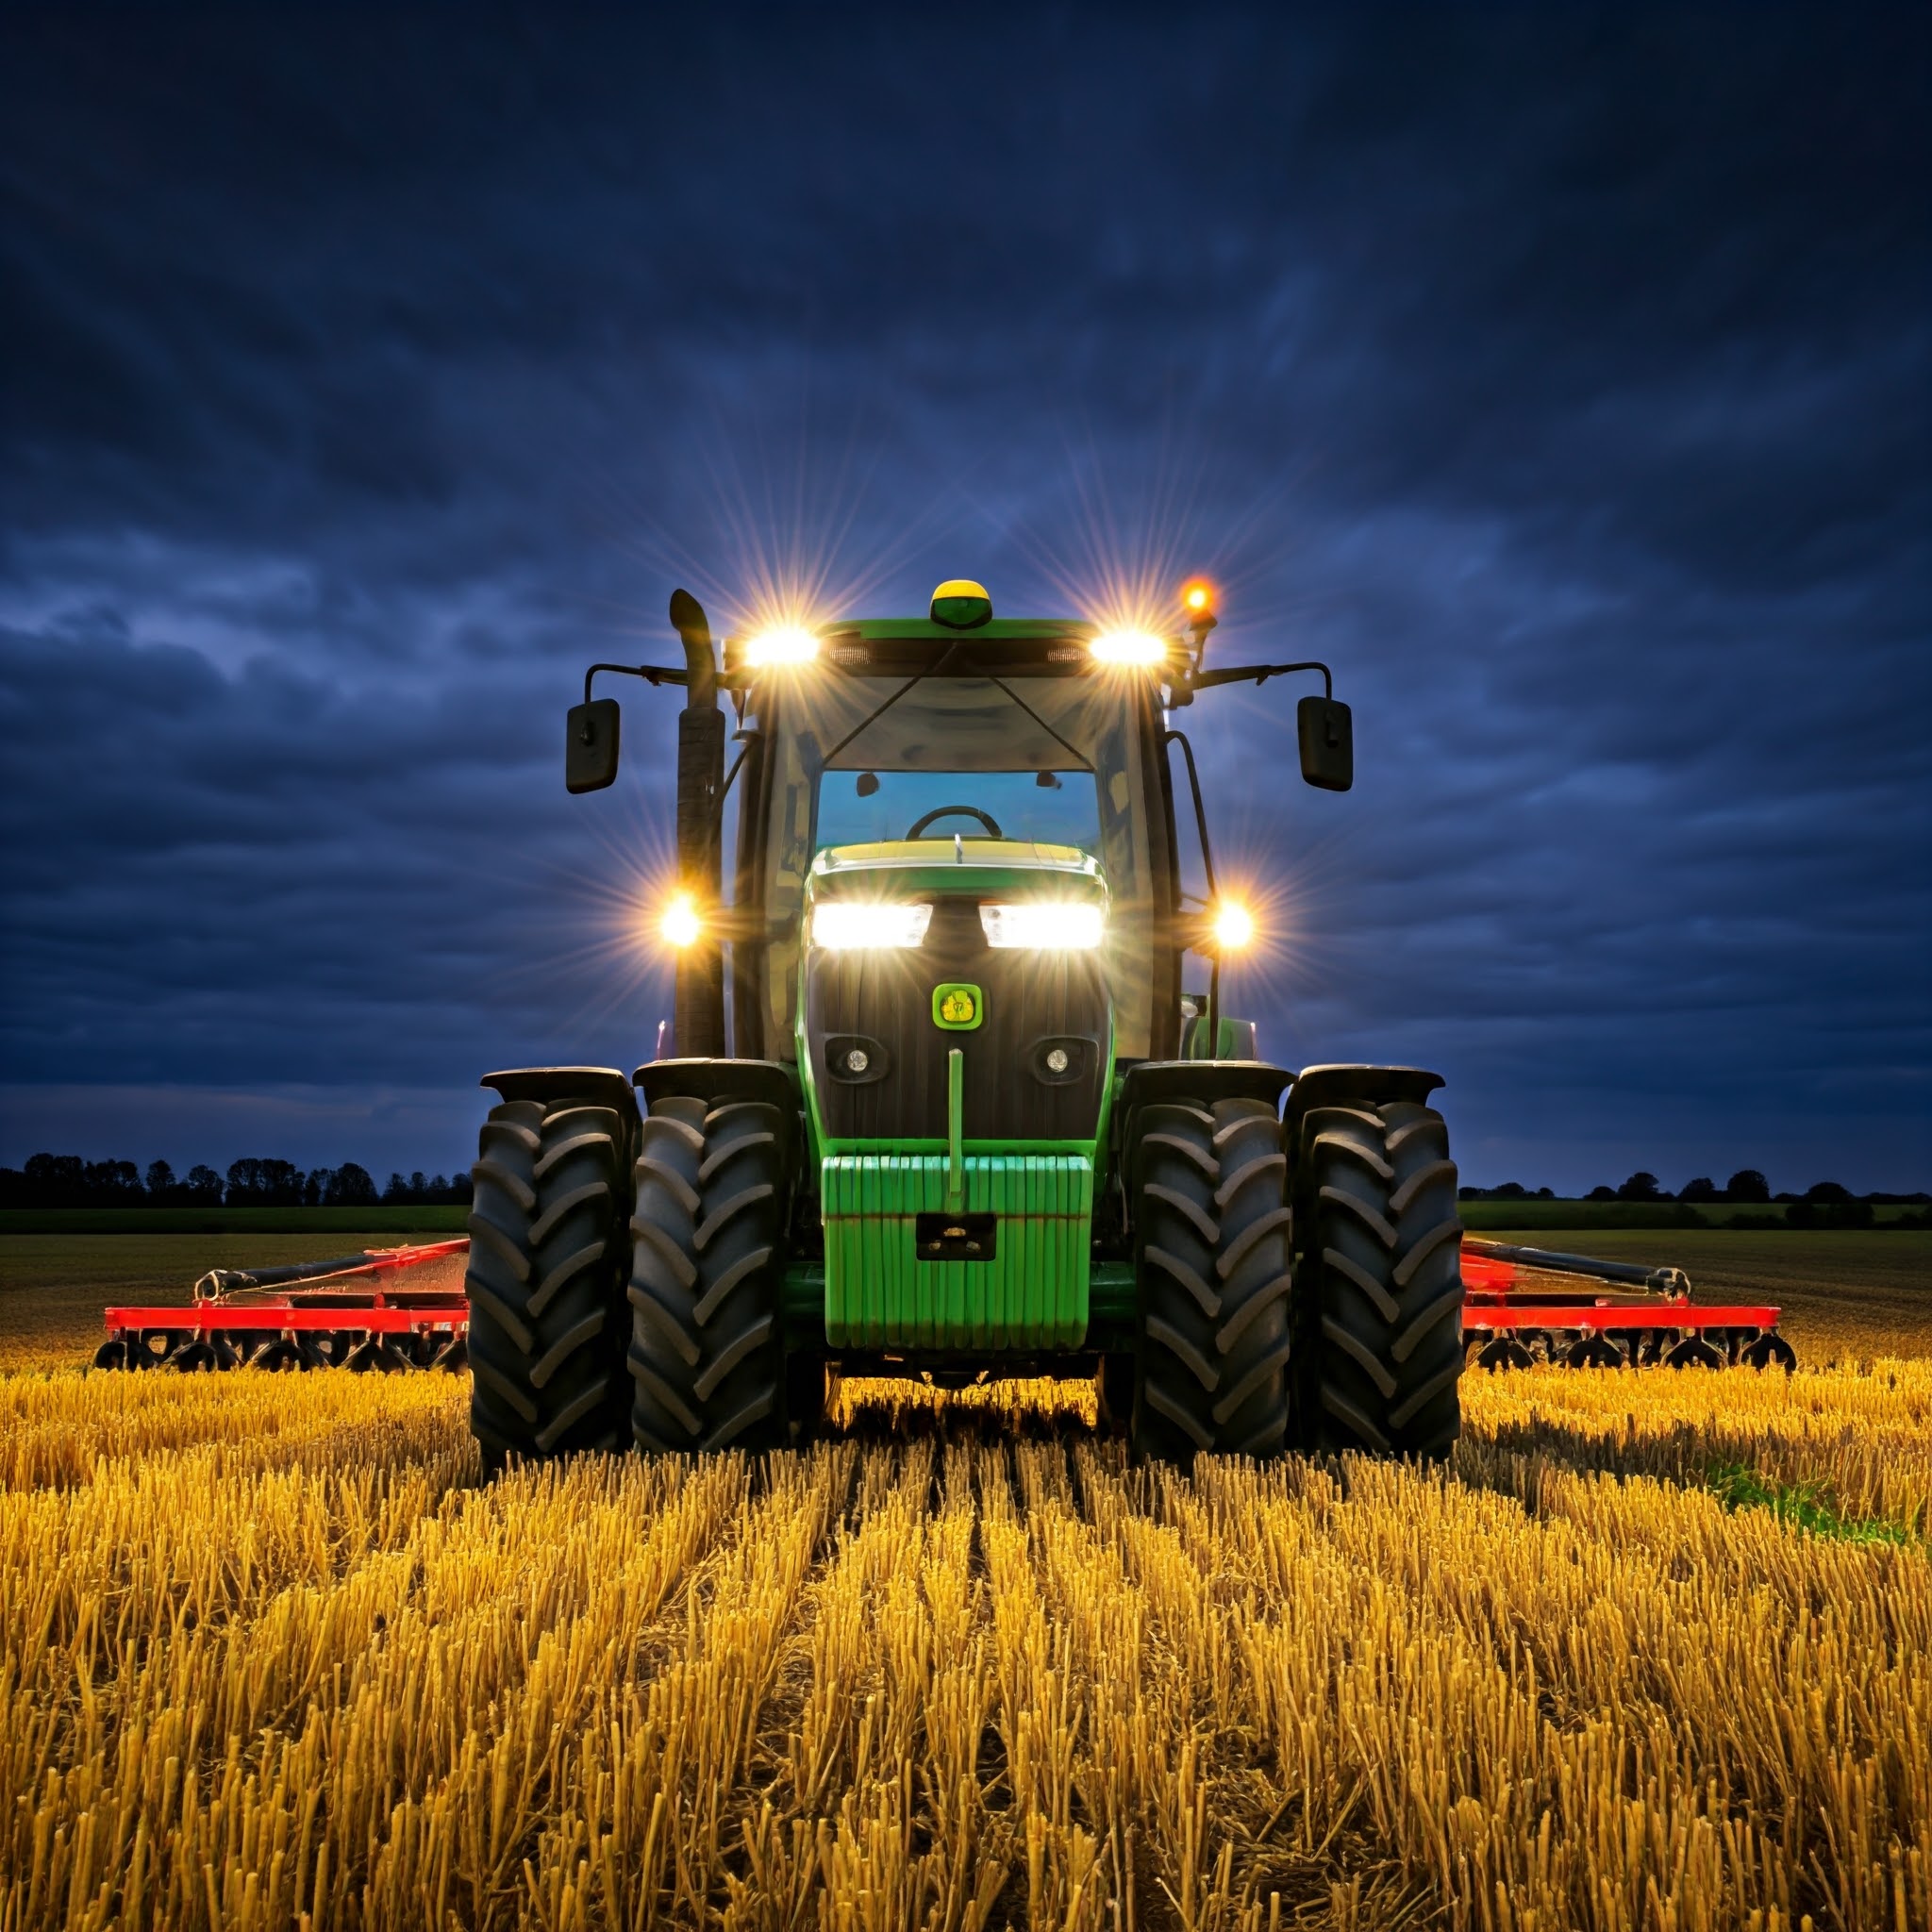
272,1658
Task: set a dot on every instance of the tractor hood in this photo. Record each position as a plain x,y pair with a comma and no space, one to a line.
992,948
900,867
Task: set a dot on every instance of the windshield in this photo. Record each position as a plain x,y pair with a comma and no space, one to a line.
1054,759
1049,807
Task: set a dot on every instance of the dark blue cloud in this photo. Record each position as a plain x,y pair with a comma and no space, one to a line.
1564,380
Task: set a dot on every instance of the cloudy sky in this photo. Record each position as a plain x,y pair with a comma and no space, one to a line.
1565,381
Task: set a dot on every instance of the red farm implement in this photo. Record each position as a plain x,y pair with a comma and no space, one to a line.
384,1309
405,1309
1529,1304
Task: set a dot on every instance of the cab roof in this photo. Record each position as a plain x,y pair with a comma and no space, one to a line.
926,631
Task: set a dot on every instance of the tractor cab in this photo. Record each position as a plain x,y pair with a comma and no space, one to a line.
969,749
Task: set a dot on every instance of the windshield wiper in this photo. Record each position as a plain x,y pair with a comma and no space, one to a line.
1085,763
865,723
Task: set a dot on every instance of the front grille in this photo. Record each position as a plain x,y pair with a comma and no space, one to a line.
880,1002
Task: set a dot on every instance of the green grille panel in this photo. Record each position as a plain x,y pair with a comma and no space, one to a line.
1031,1294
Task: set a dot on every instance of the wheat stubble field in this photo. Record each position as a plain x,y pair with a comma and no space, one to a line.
1655,1650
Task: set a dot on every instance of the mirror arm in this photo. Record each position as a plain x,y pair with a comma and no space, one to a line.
1258,674
1181,739
651,674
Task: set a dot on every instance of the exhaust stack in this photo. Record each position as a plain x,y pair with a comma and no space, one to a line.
698,1006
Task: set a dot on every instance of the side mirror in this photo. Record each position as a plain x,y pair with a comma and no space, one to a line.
1328,734
589,756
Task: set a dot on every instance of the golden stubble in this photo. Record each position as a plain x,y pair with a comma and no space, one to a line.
275,1657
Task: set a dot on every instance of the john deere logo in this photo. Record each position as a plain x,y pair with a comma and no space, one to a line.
957,1009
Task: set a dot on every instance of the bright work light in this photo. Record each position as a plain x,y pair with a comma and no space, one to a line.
1234,925
1130,648
1044,925
840,926
680,924
789,643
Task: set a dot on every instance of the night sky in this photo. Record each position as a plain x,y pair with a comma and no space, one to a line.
1564,380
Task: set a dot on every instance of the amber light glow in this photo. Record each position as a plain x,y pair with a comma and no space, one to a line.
1199,598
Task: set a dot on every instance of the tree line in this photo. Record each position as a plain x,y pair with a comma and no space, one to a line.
1823,1204
65,1180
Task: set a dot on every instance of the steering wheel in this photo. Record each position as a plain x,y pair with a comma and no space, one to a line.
946,811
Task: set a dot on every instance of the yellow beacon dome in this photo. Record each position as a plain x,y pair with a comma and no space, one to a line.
959,603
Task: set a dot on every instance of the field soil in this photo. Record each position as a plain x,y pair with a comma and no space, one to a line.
1654,1648
1549,1217
399,1224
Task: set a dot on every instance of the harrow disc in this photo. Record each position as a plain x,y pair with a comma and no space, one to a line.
1504,1352
454,1358
112,1354
1693,1352
277,1353
376,1353
193,1358
1594,1352
1769,1351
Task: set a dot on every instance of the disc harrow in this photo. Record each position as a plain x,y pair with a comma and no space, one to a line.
1525,1305
378,1310
394,1310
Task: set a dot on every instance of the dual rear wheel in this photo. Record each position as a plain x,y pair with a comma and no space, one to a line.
1314,1306
624,1280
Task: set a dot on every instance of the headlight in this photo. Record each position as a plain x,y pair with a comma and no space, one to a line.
840,926
1042,925
1234,925
680,925
787,644
1130,648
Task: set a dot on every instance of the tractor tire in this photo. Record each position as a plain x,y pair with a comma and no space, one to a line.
708,1332
1213,1282
1379,1289
547,1260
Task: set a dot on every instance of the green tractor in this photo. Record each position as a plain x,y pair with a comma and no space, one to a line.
937,1103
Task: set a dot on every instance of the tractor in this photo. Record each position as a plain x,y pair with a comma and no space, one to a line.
935,1101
